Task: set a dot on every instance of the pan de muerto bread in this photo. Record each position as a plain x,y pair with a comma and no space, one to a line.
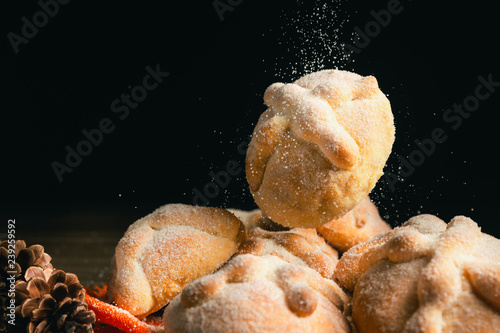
259,294
319,148
425,276
163,252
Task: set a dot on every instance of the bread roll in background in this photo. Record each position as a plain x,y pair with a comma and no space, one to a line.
297,246
357,226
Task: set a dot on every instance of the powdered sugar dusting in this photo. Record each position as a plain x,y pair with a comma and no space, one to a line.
425,276
166,250
311,39
256,294
320,147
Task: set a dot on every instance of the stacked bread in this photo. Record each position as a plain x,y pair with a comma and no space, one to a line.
315,155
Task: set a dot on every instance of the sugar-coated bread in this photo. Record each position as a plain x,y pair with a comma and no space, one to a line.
357,226
425,276
253,294
296,246
319,148
163,252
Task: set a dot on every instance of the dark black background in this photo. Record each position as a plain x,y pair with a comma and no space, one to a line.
65,78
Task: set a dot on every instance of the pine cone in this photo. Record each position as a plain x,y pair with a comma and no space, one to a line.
53,301
25,257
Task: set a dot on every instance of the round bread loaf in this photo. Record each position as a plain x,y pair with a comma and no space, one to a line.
259,294
319,148
426,276
163,252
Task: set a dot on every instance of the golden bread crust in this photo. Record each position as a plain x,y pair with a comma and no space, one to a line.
319,148
425,276
163,252
297,246
259,294
357,226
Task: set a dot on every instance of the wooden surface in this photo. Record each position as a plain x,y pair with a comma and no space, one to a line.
85,253
80,242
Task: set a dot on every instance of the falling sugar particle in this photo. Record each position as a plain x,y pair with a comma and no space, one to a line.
312,38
